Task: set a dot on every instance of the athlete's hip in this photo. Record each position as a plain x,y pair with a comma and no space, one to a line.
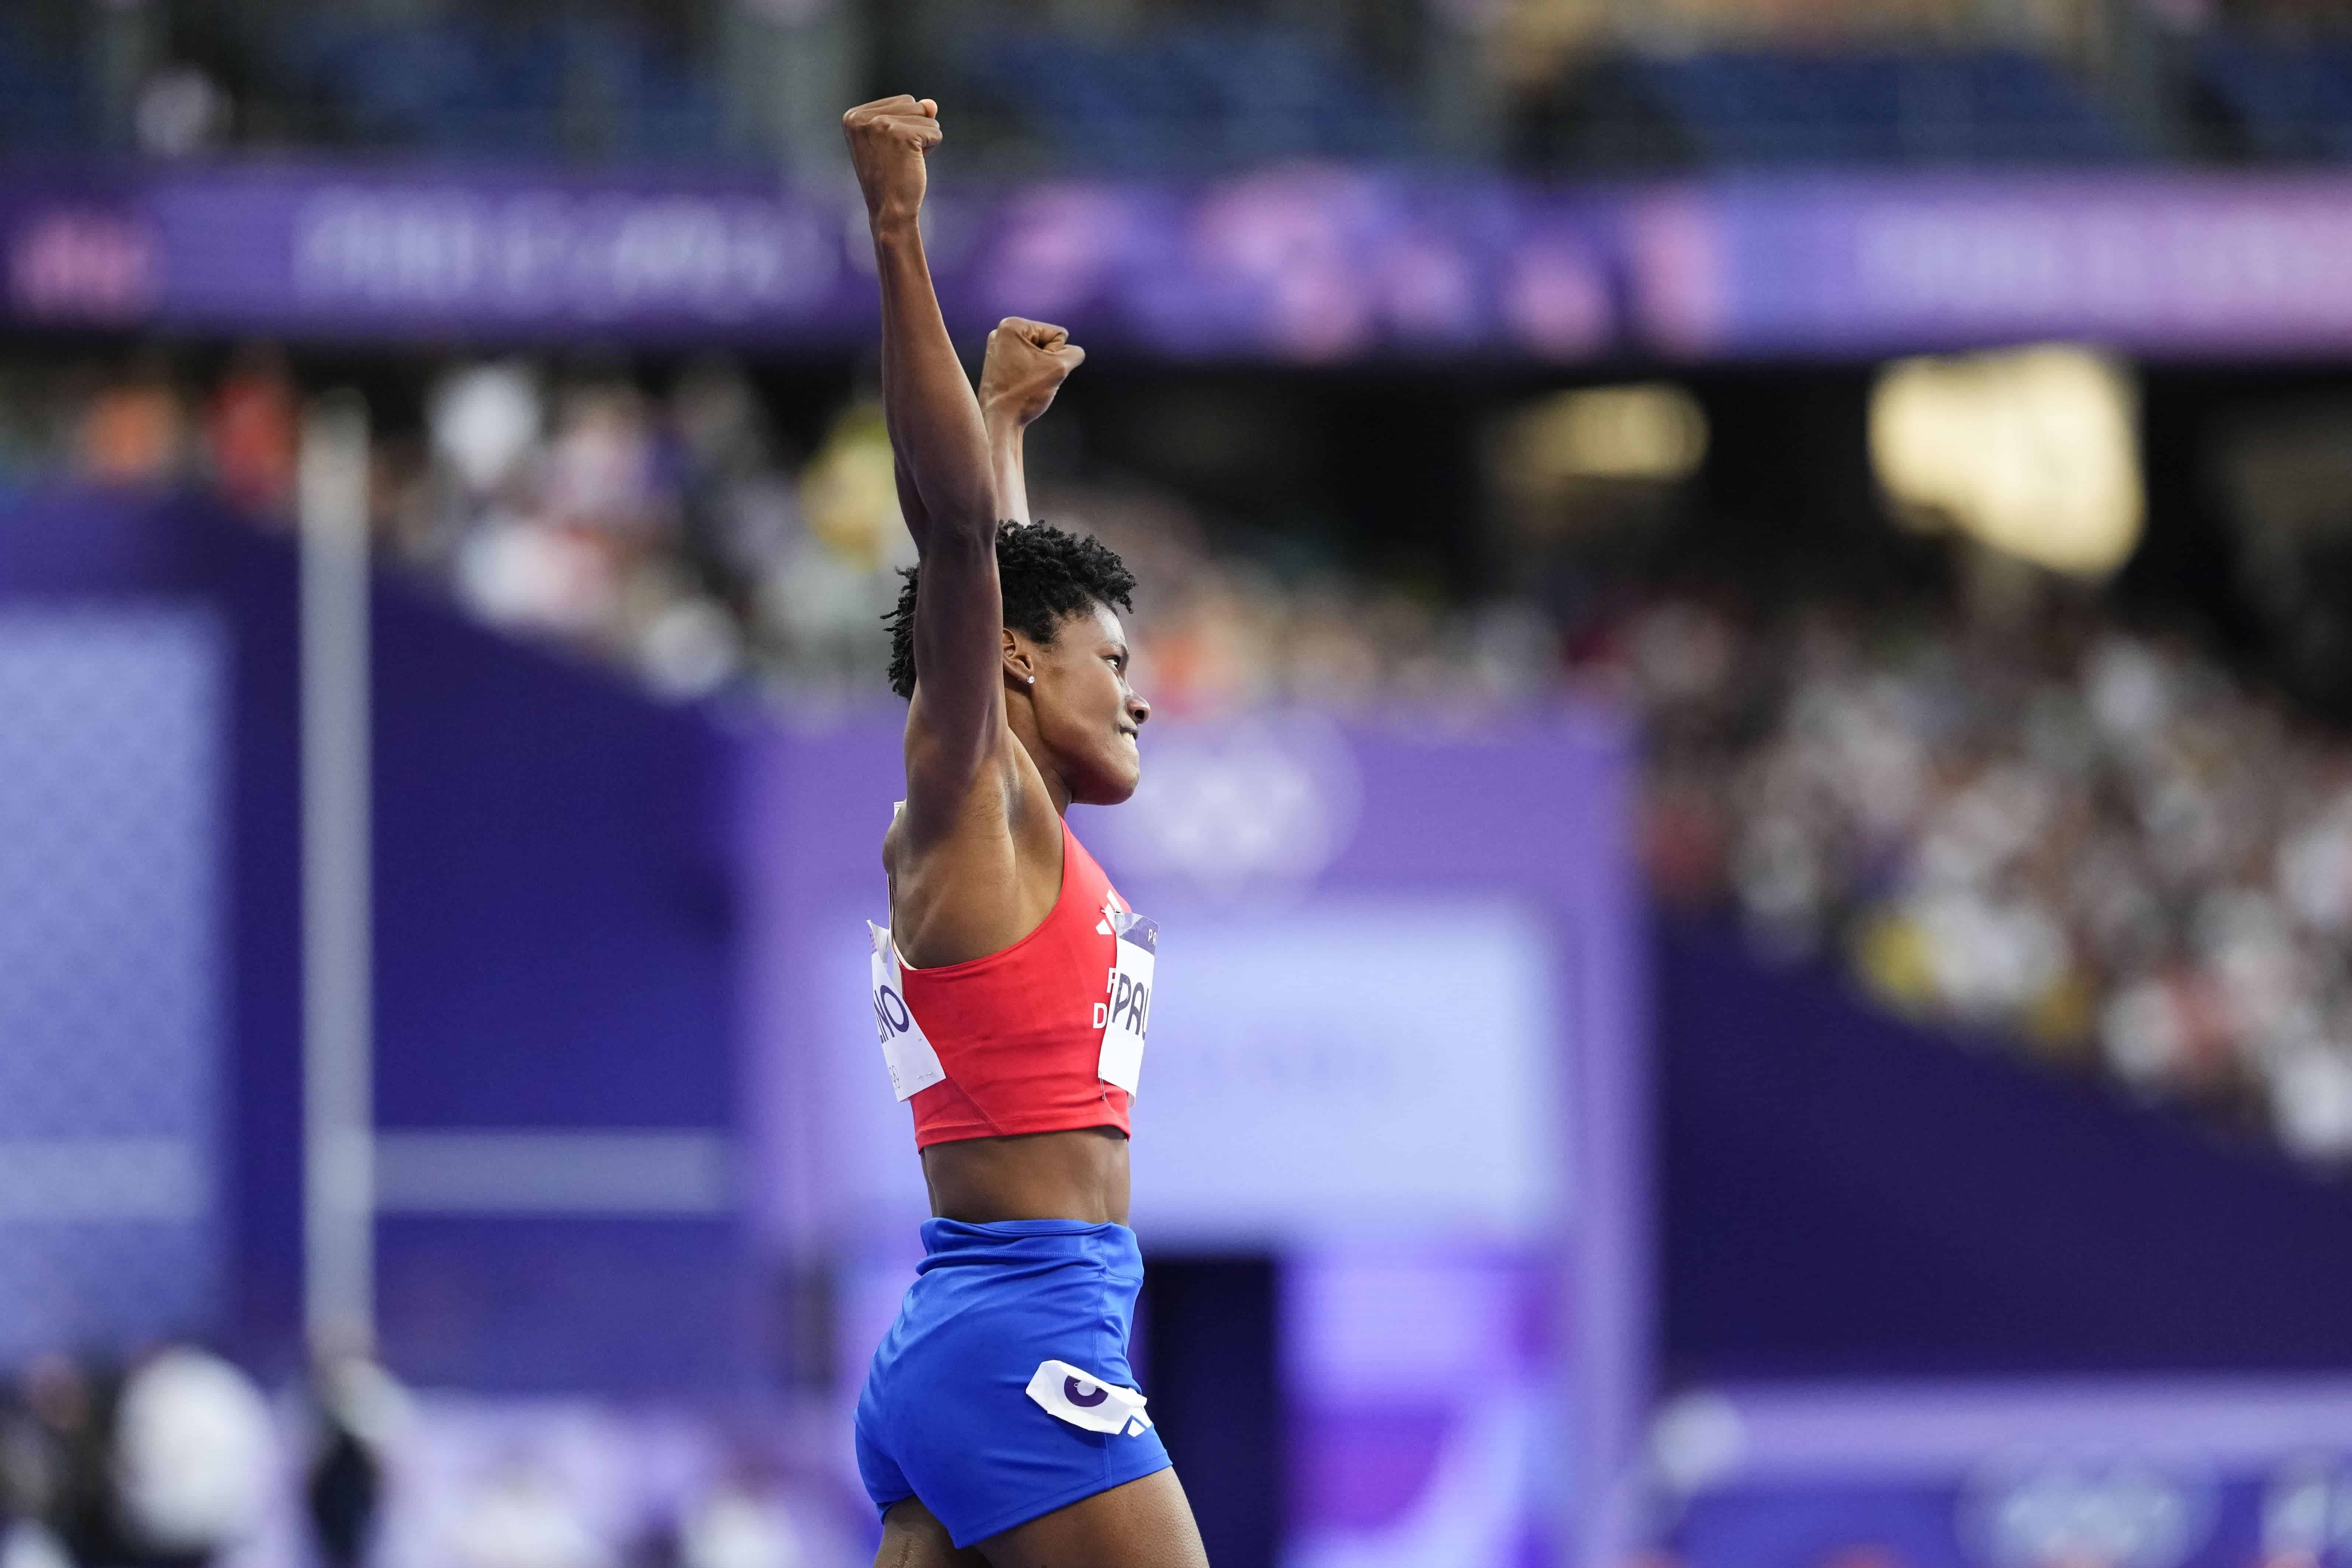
986,1290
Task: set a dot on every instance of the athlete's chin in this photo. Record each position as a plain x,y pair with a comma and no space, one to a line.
1111,784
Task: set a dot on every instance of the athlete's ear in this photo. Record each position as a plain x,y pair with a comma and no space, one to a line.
1020,668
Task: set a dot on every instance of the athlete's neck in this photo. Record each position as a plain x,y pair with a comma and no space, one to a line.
1024,720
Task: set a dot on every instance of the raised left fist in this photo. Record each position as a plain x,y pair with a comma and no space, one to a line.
1027,362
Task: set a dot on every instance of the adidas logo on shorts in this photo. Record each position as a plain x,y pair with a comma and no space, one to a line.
1069,1393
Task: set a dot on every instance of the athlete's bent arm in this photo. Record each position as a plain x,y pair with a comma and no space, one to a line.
1027,362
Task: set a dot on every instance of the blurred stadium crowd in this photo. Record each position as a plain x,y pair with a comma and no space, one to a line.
667,529
2091,842
177,1459
168,1460
1171,85
2095,842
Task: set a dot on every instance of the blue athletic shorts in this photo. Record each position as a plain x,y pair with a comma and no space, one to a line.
1003,1392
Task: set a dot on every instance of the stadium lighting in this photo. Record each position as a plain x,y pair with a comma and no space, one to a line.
2033,452
1651,431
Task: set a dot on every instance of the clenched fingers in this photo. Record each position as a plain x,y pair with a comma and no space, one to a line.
896,104
1041,334
904,120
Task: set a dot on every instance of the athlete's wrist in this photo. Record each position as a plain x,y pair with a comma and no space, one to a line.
895,222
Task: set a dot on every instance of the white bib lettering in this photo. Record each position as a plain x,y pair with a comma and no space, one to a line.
1082,1399
906,1051
1125,1011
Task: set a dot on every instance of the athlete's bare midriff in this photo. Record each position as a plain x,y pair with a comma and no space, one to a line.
1078,1174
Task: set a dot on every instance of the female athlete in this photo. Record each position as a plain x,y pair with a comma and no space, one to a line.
999,1425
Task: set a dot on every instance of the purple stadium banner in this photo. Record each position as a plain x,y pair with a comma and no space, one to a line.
2122,1472
1309,264
311,250
1306,263
1848,266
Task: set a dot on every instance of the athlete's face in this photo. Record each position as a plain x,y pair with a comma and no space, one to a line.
1087,714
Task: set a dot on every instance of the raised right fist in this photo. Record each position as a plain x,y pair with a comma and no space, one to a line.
888,139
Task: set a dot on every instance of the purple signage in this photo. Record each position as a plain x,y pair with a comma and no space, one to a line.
1422,1389
111,1001
1854,266
2209,1473
1308,263
299,249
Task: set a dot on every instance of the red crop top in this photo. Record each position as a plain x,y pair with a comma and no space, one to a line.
1038,1037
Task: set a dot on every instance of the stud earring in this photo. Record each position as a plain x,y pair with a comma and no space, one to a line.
1032,680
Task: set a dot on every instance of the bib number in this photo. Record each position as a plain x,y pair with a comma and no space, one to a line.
906,1051
1125,1011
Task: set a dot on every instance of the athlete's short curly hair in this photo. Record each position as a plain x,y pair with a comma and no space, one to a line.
1048,575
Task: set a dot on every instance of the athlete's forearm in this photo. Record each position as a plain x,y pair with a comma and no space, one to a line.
934,419
1026,365
1004,437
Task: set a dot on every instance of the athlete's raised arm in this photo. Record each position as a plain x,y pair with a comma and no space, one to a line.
1027,362
946,488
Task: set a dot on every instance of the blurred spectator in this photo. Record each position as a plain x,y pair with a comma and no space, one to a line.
521,1517
28,1544
132,433
832,555
484,420
600,470
250,433
70,1413
735,1526
179,111
194,1451
170,1465
362,1414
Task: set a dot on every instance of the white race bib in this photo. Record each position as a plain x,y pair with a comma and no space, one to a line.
906,1051
1076,1395
1125,1011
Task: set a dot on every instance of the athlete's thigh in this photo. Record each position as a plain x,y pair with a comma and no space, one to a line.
1146,1523
911,1538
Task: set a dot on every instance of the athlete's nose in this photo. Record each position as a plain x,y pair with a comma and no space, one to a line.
1138,709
